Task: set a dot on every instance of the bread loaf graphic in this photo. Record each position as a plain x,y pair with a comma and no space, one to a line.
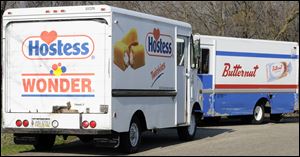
128,51
276,71
121,55
131,38
137,56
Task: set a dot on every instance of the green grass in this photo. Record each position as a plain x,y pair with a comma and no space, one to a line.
9,148
15,149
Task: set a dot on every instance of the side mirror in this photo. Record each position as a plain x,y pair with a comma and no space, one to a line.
198,56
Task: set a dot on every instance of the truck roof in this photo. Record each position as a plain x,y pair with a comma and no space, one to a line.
86,9
242,39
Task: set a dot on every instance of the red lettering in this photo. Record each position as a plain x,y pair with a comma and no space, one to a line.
238,71
41,85
75,84
255,68
57,85
158,70
28,84
53,85
86,85
64,85
226,69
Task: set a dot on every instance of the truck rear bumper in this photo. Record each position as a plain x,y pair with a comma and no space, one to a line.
66,123
56,131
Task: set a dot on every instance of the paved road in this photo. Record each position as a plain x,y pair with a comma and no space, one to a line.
224,139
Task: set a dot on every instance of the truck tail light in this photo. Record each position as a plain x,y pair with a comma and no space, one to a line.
18,123
85,124
25,123
93,124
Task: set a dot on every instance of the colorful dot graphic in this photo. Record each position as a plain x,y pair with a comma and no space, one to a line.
57,69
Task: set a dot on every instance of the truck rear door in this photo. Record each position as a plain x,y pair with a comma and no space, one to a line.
51,64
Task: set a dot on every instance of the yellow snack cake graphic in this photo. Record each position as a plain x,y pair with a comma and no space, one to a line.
137,56
131,38
120,55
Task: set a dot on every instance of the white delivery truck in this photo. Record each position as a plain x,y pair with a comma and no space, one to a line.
251,79
97,72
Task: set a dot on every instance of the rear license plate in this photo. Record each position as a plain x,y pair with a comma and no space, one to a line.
41,122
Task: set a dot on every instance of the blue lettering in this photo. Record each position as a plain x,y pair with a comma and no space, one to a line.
159,46
85,48
59,48
150,44
44,49
76,48
35,47
67,47
53,50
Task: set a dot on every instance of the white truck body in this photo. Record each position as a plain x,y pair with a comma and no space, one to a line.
66,65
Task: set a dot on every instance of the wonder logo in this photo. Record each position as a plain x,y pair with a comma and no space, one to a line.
57,83
158,44
50,45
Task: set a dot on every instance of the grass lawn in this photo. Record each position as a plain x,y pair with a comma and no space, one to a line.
9,148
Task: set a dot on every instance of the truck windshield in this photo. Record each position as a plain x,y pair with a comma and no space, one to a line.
180,51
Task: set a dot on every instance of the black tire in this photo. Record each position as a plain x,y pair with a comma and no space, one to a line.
44,142
276,117
213,120
258,114
246,119
126,144
188,133
86,139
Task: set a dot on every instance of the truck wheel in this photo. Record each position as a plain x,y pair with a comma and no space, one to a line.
258,114
130,141
44,142
187,133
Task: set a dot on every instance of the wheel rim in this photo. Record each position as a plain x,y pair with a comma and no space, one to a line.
258,113
192,126
134,134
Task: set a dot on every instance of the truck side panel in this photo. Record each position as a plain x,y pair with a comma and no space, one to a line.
248,70
143,71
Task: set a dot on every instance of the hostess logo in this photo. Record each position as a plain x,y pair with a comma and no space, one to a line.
158,44
50,45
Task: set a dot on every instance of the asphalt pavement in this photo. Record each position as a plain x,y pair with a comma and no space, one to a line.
228,138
